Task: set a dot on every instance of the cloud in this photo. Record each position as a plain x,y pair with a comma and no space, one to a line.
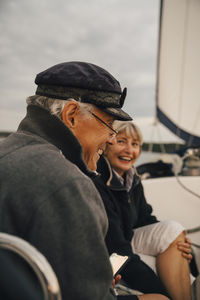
119,35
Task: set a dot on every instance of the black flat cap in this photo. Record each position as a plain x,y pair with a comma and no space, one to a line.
84,82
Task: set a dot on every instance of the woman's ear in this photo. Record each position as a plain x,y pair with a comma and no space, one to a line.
69,113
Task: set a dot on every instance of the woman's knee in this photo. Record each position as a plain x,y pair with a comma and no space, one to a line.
175,229
173,232
180,238
172,225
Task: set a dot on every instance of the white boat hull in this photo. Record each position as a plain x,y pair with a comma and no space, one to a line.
171,201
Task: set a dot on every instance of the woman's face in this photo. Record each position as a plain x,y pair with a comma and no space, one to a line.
123,153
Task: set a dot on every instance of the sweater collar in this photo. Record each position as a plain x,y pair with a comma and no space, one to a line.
40,122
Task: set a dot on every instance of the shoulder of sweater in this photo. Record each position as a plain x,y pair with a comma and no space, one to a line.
20,142
34,154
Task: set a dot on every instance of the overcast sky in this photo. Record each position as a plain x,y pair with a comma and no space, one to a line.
118,35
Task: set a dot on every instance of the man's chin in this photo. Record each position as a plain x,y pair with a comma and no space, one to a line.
92,165
91,161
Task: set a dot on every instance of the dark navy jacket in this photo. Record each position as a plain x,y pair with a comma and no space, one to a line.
126,210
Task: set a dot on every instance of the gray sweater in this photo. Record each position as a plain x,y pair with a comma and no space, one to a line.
48,199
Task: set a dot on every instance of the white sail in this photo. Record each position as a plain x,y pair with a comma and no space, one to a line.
178,86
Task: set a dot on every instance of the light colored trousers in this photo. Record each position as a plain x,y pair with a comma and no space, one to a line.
151,240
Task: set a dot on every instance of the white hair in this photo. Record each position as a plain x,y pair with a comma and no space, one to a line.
56,106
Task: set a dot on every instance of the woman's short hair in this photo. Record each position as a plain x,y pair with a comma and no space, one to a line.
129,128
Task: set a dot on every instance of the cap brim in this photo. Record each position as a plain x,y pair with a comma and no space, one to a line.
118,113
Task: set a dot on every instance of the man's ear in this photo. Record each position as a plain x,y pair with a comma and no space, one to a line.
69,113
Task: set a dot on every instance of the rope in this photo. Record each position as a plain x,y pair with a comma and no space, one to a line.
195,245
192,230
186,188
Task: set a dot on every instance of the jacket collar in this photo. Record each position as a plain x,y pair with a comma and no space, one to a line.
109,176
40,122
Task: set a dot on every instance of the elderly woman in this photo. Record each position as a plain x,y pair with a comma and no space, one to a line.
133,229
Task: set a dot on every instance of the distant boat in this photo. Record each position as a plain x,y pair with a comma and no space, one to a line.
4,134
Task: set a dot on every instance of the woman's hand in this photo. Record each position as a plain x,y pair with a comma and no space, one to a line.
116,280
185,248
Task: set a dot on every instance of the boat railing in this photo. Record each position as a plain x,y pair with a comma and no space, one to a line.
26,271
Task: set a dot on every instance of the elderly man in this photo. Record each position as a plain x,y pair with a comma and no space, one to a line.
47,197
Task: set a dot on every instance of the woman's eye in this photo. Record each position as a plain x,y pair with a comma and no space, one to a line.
120,142
135,144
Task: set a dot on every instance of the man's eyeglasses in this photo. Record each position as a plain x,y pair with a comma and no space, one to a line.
102,121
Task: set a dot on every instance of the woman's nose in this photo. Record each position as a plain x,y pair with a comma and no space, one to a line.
129,148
